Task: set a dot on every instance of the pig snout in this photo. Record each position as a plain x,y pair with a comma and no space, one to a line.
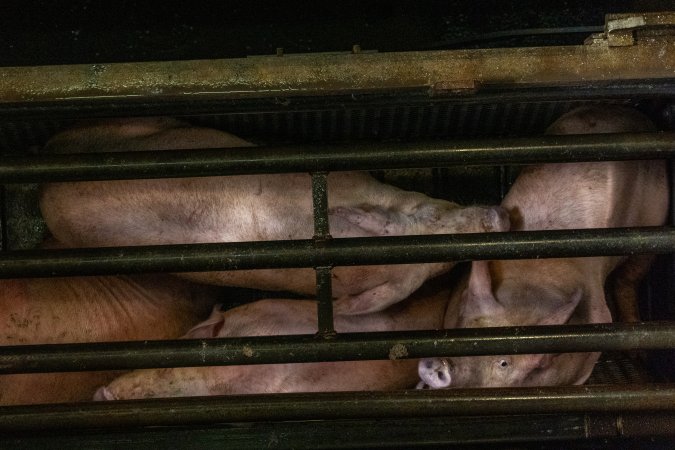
434,373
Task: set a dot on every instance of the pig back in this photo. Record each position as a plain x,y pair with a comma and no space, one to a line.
90,309
606,194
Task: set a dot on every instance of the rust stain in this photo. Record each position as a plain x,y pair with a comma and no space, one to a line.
247,351
398,351
316,74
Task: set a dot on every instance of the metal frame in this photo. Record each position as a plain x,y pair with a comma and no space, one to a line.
277,82
345,405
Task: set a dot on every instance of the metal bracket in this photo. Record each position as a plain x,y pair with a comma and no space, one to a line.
623,30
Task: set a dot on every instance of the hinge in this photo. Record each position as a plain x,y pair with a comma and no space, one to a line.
627,29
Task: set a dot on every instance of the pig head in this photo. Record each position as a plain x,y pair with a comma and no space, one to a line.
540,300
554,291
247,208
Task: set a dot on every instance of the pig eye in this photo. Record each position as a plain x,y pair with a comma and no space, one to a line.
503,363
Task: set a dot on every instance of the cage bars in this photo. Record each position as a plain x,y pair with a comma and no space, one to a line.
341,347
322,158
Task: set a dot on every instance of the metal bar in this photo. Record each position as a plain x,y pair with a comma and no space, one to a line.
342,347
324,290
4,232
328,73
343,405
320,205
337,252
363,433
361,156
324,296
103,107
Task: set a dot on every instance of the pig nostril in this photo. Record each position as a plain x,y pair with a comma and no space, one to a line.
429,364
441,376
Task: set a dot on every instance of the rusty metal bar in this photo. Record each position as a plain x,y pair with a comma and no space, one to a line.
101,107
321,158
337,252
344,405
342,347
438,72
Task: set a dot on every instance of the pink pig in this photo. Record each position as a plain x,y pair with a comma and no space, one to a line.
90,309
424,310
555,291
248,208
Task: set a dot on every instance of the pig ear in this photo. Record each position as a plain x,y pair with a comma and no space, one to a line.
561,315
209,328
479,299
539,361
480,281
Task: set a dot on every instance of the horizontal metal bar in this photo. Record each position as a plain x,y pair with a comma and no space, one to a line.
364,433
337,252
103,107
329,73
342,347
344,405
362,156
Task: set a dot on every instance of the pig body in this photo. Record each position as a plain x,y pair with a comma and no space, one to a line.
554,291
247,208
424,310
90,309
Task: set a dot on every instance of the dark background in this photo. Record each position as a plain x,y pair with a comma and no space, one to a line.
91,31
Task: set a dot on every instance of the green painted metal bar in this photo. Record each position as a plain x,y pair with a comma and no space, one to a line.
318,158
320,205
324,290
337,252
4,240
343,405
324,296
342,347
367,433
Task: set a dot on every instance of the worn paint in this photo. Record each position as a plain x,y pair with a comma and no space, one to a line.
439,72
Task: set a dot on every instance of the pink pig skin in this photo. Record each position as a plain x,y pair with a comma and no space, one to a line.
247,208
90,309
557,291
424,310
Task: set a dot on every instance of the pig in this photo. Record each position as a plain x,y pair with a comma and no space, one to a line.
562,290
423,310
91,309
247,208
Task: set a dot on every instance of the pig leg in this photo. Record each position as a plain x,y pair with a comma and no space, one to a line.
260,379
625,282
